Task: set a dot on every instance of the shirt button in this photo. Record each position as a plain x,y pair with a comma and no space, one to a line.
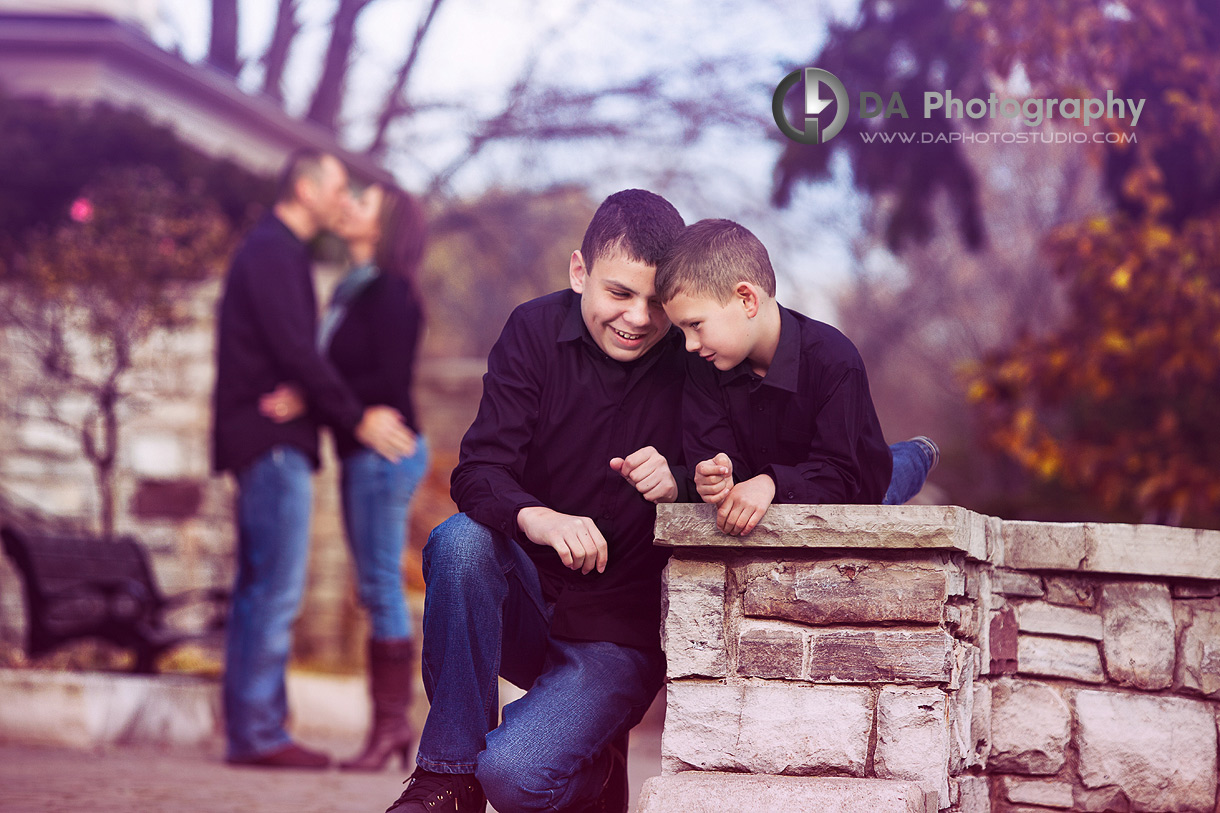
760,407
792,495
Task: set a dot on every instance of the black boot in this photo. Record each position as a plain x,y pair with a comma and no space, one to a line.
391,676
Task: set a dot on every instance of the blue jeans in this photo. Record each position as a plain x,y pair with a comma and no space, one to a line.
274,497
376,494
485,616
912,462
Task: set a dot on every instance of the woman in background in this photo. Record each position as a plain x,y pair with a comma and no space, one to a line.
370,333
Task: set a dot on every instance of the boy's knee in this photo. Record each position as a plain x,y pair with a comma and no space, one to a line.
513,783
458,548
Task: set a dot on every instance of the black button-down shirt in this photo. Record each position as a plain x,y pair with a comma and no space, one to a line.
809,423
267,334
555,410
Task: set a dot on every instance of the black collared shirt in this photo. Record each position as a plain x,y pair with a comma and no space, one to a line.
555,410
809,423
266,334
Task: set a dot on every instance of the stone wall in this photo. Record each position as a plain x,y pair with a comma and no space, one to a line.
930,658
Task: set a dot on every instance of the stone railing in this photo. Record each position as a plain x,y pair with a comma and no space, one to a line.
924,658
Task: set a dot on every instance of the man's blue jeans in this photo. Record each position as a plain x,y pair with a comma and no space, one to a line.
273,506
485,616
912,462
376,495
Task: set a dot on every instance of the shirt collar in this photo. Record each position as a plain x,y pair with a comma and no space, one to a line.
784,372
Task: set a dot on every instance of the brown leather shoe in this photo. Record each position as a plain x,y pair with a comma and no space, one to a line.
290,756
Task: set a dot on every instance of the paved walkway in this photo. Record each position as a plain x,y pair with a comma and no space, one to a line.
39,779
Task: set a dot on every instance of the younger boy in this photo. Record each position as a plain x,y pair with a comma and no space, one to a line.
778,409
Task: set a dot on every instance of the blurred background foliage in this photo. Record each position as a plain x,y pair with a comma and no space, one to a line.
1062,303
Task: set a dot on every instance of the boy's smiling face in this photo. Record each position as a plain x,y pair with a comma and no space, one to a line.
618,302
720,332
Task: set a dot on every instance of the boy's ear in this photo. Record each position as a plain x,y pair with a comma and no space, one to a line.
748,295
577,273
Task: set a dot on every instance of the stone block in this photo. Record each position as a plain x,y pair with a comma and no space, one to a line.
692,630
980,724
1042,792
711,792
1071,591
1198,661
766,728
1139,634
872,527
1030,727
1090,547
913,738
847,591
962,752
1049,619
773,650
1017,583
1069,658
1002,642
880,655
973,794
1160,751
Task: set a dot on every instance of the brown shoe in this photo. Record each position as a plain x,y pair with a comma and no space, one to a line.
290,756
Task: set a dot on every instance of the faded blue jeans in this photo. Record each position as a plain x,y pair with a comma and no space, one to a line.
485,616
912,462
274,498
376,495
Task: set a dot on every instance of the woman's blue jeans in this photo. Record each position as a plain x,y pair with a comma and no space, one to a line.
376,496
274,498
485,617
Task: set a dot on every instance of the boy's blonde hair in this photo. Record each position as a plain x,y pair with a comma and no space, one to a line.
709,259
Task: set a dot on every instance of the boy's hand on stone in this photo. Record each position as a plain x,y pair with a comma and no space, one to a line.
745,505
714,479
648,470
577,540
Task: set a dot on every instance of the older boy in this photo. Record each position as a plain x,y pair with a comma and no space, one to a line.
549,576
782,413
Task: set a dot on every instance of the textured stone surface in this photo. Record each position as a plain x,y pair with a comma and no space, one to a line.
1160,751
773,650
1050,619
1017,583
1070,658
962,751
692,631
896,527
767,728
1030,727
980,723
1002,642
847,591
880,655
1143,550
1195,589
913,738
1043,792
707,792
1198,664
1139,633
1071,591
973,794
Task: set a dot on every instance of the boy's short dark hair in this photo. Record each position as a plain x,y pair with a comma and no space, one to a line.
302,163
709,258
638,223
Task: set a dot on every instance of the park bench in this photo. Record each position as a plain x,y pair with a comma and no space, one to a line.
78,587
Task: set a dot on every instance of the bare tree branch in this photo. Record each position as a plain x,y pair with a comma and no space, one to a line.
328,95
282,37
222,46
396,103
